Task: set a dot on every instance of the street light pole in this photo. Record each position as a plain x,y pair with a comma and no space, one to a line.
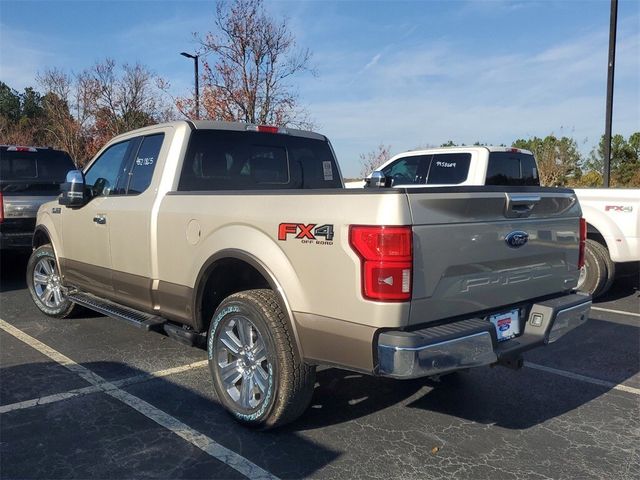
610,71
197,92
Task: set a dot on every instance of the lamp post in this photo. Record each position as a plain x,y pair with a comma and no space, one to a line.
613,21
195,65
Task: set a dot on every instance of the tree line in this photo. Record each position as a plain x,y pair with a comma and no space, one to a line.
249,59
560,162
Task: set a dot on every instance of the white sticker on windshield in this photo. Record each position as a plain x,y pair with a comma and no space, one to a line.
328,170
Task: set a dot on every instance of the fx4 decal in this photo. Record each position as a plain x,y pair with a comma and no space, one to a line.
306,233
618,208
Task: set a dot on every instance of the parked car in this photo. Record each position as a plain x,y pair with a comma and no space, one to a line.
612,215
29,177
243,238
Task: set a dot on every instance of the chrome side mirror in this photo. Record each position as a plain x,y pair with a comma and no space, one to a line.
73,191
376,180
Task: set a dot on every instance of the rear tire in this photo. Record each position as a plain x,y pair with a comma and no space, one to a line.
601,250
257,371
45,283
593,275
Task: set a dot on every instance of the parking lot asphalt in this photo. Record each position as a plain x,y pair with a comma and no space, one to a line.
94,397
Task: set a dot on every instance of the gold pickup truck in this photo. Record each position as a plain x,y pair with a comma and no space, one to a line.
243,239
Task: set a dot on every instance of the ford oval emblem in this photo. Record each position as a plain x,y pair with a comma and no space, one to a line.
516,239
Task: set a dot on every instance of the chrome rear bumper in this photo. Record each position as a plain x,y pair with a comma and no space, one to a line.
473,342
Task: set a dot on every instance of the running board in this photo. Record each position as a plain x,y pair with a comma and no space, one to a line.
137,318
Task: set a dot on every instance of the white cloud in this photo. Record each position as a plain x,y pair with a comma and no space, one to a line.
373,61
22,56
428,94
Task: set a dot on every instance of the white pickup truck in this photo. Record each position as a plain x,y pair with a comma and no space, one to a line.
613,221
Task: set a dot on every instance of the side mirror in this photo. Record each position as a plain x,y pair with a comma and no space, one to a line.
73,191
376,180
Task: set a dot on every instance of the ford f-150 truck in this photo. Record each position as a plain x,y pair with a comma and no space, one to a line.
29,177
243,238
612,215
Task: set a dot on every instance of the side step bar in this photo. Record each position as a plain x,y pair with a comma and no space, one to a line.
137,318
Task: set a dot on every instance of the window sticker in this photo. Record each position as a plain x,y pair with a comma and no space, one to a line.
144,161
446,164
327,170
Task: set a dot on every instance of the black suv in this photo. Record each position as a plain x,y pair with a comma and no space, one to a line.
29,177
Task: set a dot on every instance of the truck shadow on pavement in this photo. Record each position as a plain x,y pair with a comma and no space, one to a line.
13,268
97,436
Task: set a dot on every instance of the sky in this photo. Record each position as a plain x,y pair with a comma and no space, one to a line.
404,74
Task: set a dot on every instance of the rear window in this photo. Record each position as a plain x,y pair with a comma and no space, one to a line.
231,160
42,165
511,168
437,169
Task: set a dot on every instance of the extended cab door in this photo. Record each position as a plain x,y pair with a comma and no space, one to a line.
86,257
130,227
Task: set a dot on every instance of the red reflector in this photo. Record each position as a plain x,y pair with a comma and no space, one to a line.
267,129
583,239
386,261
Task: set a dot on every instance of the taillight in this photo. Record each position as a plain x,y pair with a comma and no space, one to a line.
1,208
583,240
386,258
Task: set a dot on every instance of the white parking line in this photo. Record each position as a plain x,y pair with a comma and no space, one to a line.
584,378
619,312
197,439
77,392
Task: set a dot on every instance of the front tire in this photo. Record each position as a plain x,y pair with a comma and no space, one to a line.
45,283
257,371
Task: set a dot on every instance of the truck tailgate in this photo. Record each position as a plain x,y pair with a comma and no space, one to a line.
463,261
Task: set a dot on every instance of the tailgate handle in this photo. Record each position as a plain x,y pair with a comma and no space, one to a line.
520,205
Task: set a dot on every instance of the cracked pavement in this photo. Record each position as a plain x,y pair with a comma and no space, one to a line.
489,423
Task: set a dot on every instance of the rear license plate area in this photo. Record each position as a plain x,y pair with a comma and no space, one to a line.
507,324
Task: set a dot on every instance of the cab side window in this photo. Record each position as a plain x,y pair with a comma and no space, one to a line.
405,171
104,174
144,163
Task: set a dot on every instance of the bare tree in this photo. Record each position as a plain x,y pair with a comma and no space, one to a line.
67,105
87,109
373,159
249,59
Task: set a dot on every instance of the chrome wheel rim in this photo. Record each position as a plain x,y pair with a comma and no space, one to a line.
242,363
47,283
582,277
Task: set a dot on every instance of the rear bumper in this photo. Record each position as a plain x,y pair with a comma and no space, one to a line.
17,233
473,342
16,240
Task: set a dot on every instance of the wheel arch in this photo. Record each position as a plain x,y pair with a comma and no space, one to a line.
238,260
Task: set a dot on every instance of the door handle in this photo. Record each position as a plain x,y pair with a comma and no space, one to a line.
100,219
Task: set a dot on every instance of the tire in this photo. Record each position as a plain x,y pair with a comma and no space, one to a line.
257,371
45,284
594,273
603,252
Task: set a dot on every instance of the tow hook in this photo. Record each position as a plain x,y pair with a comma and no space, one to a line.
514,363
